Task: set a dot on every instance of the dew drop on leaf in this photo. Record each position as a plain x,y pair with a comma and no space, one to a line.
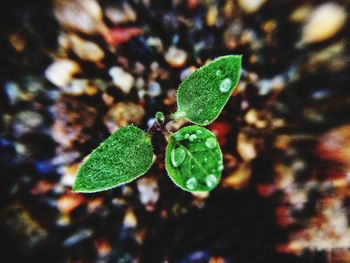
220,167
218,72
211,180
192,137
210,142
187,135
189,162
178,156
191,183
225,85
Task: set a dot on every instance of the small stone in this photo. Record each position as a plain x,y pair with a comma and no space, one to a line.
300,14
18,41
67,203
130,220
84,16
212,15
27,121
13,92
42,187
154,89
121,15
77,87
61,72
86,50
176,57
335,145
122,114
245,147
103,247
72,117
69,173
156,43
148,190
121,79
186,72
324,22
251,6
78,237
239,177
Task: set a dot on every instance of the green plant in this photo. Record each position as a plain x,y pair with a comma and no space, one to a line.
193,157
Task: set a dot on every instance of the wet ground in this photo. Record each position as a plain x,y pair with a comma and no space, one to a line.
74,71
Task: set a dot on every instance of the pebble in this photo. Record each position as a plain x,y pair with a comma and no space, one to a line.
301,13
333,57
86,50
130,220
239,177
324,22
186,72
212,15
148,190
84,16
61,72
122,15
18,41
335,145
176,57
121,79
69,173
156,43
27,121
251,6
13,92
68,202
78,237
122,114
154,89
245,147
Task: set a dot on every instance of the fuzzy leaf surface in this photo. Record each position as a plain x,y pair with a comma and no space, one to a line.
121,158
203,94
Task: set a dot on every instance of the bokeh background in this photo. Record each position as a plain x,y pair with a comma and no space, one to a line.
74,71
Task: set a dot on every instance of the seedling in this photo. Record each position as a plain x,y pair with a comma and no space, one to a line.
193,156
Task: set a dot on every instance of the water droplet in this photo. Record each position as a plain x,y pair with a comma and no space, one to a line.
206,122
191,183
218,72
225,85
192,137
200,110
205,159
178,136
178,156
199,132
187,135
211,180
220,167
210,142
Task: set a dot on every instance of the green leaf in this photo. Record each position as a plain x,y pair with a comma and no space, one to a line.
193,159
121,158
202,95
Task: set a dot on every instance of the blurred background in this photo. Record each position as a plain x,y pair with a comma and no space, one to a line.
74,71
